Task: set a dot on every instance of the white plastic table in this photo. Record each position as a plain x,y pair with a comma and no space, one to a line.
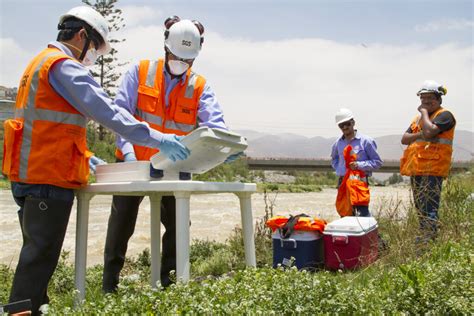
182,191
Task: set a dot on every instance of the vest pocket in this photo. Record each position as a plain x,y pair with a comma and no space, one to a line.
185,114
79,172
429,155
148,98
13,134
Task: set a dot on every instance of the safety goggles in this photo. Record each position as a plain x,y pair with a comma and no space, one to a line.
188,61
344,124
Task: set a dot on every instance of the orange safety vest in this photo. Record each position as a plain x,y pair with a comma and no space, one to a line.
180,117
426,157
45,143
303,223
354,189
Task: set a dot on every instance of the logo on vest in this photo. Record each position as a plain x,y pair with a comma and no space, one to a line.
24,80
186,43
186,111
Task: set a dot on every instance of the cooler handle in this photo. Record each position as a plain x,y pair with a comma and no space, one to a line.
289,243
340,239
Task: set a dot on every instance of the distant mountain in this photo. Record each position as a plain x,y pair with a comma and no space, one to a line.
298,146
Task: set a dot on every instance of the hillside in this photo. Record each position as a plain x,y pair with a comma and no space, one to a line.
298,146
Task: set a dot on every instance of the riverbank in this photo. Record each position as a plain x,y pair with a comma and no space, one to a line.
213,217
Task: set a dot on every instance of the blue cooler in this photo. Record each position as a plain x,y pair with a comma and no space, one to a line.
305,246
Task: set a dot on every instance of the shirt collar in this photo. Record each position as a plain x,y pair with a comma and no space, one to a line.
356,136
62,48
168,75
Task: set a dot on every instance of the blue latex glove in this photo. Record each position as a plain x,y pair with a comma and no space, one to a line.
129,157
172,148
94,161
233,157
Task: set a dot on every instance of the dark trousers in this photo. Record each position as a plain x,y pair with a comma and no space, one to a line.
120,228
43,215
427,195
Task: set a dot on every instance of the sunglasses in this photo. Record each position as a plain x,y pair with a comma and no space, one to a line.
344,124
188,61
174,18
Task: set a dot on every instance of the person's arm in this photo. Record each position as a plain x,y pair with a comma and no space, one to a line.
409,137
210,112
126,98
374,161
334,156
75,84
429,129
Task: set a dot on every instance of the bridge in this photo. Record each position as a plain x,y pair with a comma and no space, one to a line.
389,166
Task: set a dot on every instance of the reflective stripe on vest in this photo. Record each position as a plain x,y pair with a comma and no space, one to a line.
436,141
190,88
30,114
357,177
148,117
179,126
151,75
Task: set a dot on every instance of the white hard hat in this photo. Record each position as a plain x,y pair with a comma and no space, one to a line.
183,39
95,20
343,115
431,86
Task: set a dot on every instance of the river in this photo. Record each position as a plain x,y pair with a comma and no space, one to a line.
212,216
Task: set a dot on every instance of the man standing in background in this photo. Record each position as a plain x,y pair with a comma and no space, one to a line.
427,159
354,158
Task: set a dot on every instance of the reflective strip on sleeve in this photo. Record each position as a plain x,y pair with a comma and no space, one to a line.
151,75
148,117
30,114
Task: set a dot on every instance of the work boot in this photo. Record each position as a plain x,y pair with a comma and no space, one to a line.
44,224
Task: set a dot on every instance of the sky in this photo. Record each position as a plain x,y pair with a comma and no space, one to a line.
288,66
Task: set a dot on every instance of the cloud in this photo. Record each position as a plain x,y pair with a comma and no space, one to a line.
140,15
445,25
297,85
13,60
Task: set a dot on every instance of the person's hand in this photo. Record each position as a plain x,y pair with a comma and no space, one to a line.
422,109
129,157
353,165
233,157
94,162
172,147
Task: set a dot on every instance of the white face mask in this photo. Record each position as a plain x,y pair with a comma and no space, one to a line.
90,58
177,67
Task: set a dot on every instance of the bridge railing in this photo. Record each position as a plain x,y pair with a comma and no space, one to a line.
307,164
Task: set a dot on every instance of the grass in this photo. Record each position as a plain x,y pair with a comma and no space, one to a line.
434,279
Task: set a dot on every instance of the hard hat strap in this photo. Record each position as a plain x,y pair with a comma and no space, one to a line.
85,48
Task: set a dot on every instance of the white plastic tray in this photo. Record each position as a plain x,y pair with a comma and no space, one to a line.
209,148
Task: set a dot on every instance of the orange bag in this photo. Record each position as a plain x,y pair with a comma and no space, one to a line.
353,189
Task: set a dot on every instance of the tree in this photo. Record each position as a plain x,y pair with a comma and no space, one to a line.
395,178
106,66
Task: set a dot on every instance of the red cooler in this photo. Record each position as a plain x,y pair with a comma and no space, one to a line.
350,242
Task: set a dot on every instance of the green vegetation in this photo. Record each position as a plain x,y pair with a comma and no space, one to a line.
407,279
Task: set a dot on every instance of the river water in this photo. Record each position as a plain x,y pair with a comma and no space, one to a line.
213,217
